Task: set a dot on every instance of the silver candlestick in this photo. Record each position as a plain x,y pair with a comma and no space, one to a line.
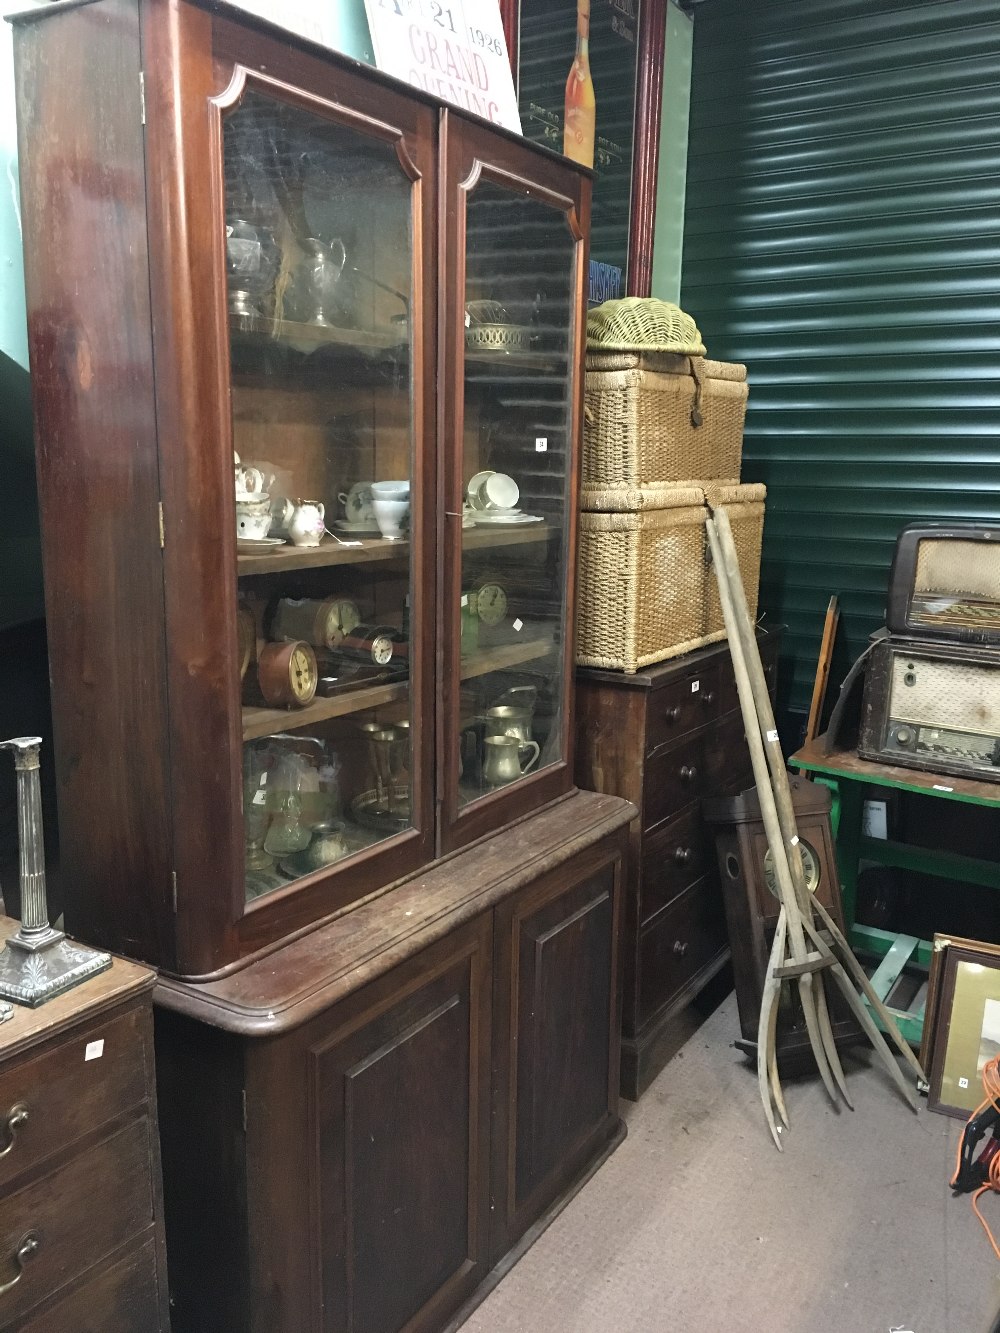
38,962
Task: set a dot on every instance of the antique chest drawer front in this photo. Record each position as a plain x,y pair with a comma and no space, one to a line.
678,943
726,758
56,1227
48,1102
681,706
674,778
729,700
673,858
122,1297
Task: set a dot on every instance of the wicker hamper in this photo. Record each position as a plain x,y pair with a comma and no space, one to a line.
639,415
647,591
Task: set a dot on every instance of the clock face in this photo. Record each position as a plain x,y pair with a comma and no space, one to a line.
381,650
491,603
810,865
302,675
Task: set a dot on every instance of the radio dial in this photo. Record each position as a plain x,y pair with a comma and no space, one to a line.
904,736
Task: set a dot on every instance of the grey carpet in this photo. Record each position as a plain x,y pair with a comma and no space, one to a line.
698,1223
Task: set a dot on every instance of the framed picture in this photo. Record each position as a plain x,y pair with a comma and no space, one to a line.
961,1023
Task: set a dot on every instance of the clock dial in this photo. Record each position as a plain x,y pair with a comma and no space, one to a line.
381,649
302,674
810,865
491,603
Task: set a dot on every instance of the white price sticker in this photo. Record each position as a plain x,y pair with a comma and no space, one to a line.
541,444
519,624
695,686
963,1082
938,787
94,1051
772,736
465,599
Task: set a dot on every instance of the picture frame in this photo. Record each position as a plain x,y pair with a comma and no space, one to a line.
961,1023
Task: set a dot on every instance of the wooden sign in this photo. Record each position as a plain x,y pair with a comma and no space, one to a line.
453,49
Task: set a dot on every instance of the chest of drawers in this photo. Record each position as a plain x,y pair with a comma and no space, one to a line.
81,1233
665,738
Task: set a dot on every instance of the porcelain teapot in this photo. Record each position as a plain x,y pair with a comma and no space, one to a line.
307,523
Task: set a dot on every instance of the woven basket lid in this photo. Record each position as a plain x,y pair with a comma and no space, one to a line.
642,324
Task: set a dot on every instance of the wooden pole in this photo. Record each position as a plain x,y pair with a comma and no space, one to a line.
786,888
734,590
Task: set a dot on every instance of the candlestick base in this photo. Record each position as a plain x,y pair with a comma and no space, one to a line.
32,975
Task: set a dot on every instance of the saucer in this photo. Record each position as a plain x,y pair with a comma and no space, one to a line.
495,519
258,543
362,529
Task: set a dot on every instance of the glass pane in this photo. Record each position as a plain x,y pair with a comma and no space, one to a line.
519,306
318,245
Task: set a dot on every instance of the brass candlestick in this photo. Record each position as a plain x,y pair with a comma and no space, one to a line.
38,962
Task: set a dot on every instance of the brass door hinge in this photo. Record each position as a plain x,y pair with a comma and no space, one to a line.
142,97
162,537
173,888
244,1110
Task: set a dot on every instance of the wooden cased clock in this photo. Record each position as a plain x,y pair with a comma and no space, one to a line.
751,905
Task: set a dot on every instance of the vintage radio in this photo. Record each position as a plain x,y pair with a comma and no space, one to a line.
945,582
934,706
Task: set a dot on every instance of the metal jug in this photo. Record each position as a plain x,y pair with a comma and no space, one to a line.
502,762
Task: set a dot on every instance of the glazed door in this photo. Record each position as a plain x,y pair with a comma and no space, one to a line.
313,609
514,223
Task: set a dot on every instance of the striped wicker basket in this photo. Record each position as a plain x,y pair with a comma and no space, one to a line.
647,591
656,418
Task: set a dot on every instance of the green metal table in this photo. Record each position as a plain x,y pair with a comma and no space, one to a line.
848,776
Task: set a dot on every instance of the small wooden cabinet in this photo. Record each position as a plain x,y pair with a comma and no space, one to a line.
81,1216
665,738
367,1123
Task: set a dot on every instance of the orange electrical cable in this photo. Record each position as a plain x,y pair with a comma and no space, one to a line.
991,1086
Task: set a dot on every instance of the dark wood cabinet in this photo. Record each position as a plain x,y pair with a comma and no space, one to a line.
386,1110
81,1214
386,922
665,738
240,243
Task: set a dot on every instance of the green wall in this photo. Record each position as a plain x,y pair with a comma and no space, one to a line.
842,239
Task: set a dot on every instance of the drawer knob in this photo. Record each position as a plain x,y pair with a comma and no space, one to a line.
673,714
682,855
680,949
688,773
16,1117
29,1246
708,698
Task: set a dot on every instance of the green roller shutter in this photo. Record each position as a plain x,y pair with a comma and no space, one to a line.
842,237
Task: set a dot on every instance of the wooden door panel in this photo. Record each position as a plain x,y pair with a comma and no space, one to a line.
557,1014
400,1110
565,978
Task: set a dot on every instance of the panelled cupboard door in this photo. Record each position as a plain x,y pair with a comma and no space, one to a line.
291,207
514,226
383,1156
557,1015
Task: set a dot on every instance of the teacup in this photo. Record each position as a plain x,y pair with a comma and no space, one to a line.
390,490
357,502
497,491
389,515
253,516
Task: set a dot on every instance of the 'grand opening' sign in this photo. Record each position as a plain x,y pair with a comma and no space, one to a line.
454,49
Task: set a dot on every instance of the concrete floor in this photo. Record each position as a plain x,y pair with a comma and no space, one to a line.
698,1223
